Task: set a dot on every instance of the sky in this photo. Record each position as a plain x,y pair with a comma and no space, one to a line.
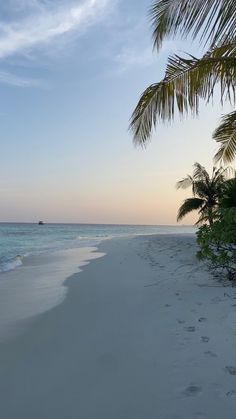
71,72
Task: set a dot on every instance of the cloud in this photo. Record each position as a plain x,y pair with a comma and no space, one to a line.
14,80
49,23
129,58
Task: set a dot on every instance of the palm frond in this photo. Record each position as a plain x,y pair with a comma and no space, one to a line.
200,173
203,189
189,205
185,82
228,199
204,217
185,182
226,135
212,20
220,174
210,190
207,191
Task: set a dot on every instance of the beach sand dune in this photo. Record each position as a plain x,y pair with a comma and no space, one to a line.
144,333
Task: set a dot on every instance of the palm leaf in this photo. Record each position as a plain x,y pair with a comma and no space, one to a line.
207,191
226,135
189,205
203,189
200,173
185,81
185,182
228,199
213,20
204,217
219,175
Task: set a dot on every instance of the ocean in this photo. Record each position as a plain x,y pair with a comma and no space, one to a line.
20,240
36,260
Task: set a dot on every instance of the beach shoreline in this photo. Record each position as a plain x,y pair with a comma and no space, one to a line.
37,286
144,332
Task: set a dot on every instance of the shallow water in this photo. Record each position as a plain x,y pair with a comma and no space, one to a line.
17,241
36,260
37,286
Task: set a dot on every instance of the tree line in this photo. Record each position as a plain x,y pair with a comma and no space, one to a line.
189,79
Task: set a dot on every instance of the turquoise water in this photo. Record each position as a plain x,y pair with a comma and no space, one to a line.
17,241
49,254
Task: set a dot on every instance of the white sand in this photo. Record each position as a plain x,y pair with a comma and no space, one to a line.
37,286
144,333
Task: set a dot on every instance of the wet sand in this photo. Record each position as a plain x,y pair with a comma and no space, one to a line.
145,332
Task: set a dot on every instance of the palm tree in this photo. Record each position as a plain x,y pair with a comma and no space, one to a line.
228,199
206,190
187,78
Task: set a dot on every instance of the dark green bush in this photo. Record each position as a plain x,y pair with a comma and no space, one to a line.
218,243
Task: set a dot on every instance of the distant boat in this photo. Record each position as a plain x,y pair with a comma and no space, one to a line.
41,223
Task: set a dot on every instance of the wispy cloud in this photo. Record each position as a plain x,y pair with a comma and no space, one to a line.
129,58
48,24
14,80
42,25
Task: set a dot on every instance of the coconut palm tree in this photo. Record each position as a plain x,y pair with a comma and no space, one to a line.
187,78
206,190
228,199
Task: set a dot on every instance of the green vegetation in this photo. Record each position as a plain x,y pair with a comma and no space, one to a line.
187,78
214,197
206,193
218,244
228,198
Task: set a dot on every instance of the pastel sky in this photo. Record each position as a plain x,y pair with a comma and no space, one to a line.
71,73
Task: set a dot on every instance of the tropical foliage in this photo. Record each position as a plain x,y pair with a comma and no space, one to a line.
218,244
228,198
217,236
207,191
226,135
214,197
189,79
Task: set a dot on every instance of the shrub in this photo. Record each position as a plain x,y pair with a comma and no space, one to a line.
218,243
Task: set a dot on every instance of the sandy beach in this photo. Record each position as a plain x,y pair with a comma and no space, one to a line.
145,332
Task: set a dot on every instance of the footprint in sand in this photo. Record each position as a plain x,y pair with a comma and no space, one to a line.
205,339
202,319
231,370
192,390
210,353
231,393
190,329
